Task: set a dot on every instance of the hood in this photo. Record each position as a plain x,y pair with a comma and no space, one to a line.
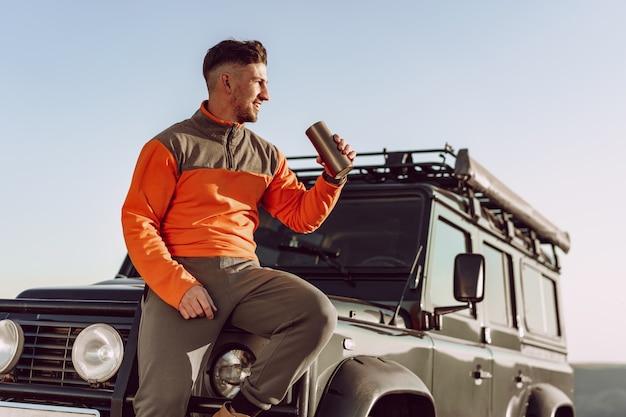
119,289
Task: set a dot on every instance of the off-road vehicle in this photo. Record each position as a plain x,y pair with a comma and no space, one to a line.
446,283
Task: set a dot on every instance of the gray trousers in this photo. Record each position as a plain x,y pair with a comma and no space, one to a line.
296,317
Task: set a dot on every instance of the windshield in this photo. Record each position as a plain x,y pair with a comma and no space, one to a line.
360,233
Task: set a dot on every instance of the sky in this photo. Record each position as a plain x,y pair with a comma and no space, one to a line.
536,90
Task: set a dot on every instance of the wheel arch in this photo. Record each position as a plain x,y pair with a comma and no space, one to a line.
359,383
549,401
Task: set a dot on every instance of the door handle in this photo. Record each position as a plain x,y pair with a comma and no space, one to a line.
479,375
521,379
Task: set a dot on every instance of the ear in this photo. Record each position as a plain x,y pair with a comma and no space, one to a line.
225,81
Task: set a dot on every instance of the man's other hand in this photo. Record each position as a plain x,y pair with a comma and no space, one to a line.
196,303
343,147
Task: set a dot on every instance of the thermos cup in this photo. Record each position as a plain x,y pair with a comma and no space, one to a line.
337,164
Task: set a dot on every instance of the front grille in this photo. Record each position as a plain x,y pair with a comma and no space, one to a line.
47,357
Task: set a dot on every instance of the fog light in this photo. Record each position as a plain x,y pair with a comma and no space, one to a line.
11,345
97,353
230,370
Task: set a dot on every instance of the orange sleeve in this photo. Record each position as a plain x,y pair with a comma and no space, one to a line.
301,210
146,204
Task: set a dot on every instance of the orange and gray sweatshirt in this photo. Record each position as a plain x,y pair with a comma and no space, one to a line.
195,193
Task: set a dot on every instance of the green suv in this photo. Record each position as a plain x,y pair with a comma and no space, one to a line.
446,282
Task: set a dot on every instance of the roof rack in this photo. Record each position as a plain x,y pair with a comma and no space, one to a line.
466,174
411,165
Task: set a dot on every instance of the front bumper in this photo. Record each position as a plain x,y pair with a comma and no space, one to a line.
32,410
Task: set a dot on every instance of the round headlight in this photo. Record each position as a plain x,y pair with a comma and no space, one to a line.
229,371
11,345
97,352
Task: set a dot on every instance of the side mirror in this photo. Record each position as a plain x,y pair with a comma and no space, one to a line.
469,277
469,288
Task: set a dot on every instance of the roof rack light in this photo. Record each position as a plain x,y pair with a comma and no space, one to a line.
480,179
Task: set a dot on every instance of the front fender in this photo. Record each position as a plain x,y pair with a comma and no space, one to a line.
548,401
359,382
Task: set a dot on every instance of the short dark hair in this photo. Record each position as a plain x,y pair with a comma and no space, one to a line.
232,51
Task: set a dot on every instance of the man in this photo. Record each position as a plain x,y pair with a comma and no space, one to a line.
188,223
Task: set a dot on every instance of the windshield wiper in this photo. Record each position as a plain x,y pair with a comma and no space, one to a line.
329,257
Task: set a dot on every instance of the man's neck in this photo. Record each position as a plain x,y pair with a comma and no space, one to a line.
208,111
220,112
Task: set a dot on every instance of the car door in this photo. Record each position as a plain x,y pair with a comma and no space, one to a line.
462,375
501,332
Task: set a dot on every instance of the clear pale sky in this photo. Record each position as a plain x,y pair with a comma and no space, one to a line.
536,90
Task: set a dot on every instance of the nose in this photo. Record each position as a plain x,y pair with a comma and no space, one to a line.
265,93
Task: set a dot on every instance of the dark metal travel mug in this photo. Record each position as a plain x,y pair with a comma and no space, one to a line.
337,163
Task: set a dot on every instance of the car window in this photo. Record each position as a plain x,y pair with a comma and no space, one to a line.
360,232
540,306
448,242
497,286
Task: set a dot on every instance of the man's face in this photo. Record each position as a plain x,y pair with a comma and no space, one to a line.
249,85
